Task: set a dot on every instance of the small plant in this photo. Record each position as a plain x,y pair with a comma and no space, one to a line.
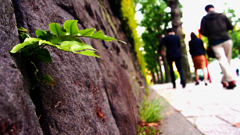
147,91
194,123
150,114
64,38
147,130
151,111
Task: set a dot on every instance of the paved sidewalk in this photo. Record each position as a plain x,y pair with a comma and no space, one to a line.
210,109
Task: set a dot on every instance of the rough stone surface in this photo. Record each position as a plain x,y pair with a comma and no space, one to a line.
91,95
17,112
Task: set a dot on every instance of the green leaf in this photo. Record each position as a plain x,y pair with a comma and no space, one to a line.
71,43
44,56
24,35
43,34
57,29
88,53
47,42
28,50
31,40
86,32
99,35
74,46
22,29
71,27
58,40
48,80
68,43
27,41
40,32
65,46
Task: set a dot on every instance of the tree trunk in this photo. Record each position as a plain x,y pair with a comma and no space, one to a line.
165,64
167,73
158,77
161,72
153,77
176,15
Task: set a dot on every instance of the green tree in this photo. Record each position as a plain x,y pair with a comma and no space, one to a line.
236,43
155,20
235,34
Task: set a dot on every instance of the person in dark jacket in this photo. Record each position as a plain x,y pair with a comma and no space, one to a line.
215,27
197,52
172,43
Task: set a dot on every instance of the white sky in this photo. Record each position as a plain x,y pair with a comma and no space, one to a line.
193,11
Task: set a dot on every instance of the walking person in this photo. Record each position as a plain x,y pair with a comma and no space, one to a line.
215,27
173,54
197,52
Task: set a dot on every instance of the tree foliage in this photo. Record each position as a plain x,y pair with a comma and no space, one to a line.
236,43
235,34
155,20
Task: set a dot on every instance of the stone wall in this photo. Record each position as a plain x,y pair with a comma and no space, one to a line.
91,95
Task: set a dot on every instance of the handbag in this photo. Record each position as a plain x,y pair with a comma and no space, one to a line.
210,52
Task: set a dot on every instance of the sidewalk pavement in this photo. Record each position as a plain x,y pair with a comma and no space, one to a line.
199,110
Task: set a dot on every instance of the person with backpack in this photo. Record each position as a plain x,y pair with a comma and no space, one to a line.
215,27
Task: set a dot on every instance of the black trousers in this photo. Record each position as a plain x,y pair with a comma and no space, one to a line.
179,68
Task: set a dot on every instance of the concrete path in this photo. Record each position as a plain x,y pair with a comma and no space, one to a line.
210,109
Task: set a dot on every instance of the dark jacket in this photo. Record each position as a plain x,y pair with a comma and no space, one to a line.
196,47
172,43
215,26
